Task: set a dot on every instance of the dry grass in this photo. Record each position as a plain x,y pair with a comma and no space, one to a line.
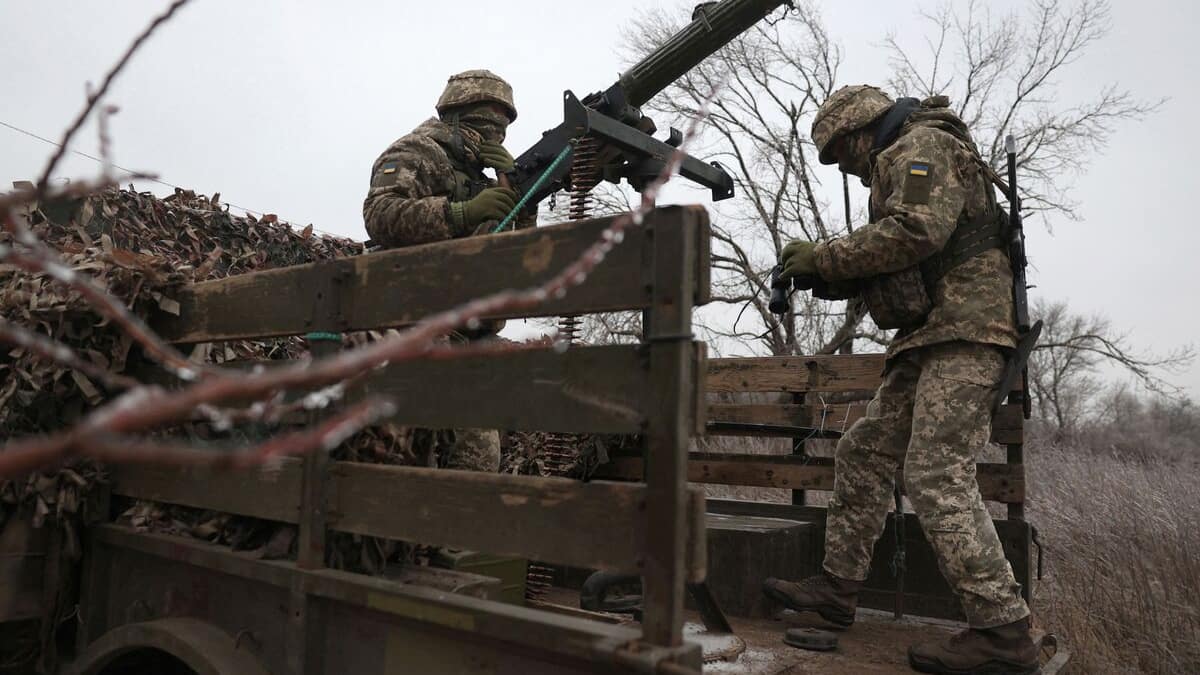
1122,542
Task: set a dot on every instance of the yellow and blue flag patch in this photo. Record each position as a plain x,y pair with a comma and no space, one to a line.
918,169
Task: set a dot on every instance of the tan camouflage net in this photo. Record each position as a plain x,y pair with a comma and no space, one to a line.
143,249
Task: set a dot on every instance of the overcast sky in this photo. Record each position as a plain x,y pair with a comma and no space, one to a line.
282,105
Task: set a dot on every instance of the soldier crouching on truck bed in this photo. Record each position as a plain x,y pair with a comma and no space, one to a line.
429,186
931,263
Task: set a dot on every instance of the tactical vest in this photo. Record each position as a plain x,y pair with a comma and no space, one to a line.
904,299
469,181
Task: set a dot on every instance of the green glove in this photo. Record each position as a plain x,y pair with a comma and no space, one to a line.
495,156
798,260
491,204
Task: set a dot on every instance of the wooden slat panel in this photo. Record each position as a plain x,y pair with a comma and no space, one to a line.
795,373
585,389
271,494
595,525
1007,426
997,482
397,287
783,414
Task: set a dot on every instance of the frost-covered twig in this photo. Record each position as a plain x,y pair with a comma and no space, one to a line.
53,350
149,408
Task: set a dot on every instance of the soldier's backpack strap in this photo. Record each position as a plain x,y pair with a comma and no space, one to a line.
970,237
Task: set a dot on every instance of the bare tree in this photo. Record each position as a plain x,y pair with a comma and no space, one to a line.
775,76
1001,72
1064,369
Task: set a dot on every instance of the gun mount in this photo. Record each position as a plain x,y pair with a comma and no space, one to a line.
613,116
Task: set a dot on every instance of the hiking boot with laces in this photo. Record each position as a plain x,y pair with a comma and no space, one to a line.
1002,650
833,598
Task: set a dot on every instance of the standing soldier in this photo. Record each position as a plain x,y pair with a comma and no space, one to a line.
429,186
931,264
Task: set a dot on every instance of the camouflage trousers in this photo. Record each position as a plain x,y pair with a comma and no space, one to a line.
931,415
470,450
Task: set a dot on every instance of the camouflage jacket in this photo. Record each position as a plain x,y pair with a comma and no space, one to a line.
922,186
413,183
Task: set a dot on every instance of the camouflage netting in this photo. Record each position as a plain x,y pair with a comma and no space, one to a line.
143,249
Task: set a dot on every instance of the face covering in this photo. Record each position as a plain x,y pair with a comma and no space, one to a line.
486,124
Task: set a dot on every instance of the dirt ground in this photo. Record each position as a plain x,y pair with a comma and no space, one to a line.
876,644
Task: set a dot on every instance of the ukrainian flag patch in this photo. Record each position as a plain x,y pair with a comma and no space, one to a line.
918,169
389,167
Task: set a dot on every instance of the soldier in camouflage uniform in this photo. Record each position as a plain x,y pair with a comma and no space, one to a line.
429,186
931,264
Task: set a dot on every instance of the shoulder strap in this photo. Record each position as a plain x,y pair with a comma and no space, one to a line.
970,237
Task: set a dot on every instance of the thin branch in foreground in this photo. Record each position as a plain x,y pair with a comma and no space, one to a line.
42,260
94,98
324,437
53,350
147,408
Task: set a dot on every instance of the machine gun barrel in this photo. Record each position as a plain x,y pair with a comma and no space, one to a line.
714,25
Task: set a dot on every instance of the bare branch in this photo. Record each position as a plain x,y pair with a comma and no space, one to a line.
94,97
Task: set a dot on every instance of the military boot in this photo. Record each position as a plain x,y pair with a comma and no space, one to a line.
833,598
1002,650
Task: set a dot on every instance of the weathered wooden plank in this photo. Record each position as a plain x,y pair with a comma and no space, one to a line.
273,494
1007,426
795,373
555,520
673,390
604,389
997,482
398,287
780,414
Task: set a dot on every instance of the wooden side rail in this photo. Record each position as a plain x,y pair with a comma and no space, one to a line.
596,525
828,393
1003,483
1007,426
795,374
398,287
654,389
606,389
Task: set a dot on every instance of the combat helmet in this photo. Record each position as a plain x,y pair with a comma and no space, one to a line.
474,86
847,110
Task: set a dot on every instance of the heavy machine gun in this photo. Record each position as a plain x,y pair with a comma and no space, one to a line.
605,136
